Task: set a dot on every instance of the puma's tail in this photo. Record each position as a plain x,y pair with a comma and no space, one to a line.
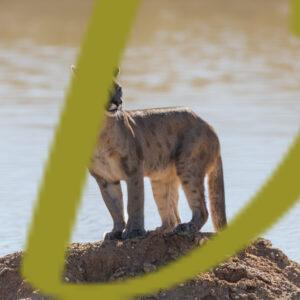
217,195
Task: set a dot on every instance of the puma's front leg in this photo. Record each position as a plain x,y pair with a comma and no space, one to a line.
135,208
113,198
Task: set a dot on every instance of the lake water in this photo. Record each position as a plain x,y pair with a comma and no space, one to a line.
235,65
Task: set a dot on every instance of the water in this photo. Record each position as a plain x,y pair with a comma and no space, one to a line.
237,66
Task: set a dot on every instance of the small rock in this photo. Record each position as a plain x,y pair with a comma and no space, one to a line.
118,274
203,241
119,243
149,268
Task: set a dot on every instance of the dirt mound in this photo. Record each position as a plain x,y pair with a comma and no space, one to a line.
259,272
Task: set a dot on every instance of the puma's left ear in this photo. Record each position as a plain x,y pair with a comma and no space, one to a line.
116,72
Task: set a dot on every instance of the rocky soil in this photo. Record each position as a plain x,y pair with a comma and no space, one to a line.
259,272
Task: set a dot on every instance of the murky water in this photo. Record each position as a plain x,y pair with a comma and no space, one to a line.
237,66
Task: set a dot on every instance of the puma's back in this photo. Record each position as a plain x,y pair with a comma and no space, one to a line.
164,132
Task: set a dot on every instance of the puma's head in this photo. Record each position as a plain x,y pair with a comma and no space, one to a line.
115,100
115,95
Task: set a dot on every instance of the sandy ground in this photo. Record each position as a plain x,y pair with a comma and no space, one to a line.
259,272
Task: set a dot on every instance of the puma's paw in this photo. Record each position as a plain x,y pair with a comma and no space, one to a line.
113,235
185,228
164,229
130,234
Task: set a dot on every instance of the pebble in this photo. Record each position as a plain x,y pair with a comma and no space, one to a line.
149,268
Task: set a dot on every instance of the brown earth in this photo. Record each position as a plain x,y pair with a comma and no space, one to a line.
259,272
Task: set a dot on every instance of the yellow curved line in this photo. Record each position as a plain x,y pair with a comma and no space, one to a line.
295,16
66,171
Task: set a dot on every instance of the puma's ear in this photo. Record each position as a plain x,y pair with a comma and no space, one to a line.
116,72
74,69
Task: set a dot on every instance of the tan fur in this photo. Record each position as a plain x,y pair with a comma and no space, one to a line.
171,146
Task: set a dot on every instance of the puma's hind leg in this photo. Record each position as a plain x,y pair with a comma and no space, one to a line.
191,172
165,192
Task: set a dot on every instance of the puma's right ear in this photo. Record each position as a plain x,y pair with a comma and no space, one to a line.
74,69
116,72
